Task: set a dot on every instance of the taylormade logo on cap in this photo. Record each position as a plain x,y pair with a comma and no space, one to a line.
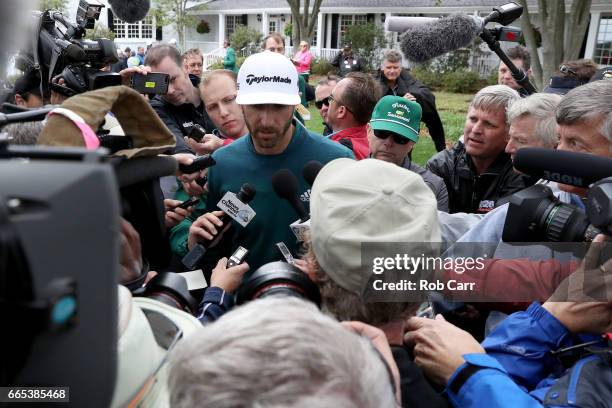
258,79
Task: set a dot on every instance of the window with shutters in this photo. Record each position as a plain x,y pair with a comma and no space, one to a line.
603,44
144,29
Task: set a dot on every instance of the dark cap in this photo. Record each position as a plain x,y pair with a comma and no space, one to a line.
28,83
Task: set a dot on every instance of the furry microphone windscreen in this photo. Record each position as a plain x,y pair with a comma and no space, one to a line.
130,11
427,41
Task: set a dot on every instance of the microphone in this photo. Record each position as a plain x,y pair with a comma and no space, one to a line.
576,169
232,210
311,170
285,185
426,41
130,11
199,163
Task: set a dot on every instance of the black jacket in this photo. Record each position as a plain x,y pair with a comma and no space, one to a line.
471,193
345,65
407,84
180,119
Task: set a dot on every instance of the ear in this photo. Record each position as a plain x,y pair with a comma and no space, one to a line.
19,101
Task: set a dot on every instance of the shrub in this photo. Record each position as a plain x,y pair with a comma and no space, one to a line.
461,81
366,41
244,36
321,67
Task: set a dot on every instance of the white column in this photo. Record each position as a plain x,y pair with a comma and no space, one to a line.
264,23
589,50
221,29
320,32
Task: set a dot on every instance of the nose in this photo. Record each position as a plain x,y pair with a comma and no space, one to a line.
510,147
223,110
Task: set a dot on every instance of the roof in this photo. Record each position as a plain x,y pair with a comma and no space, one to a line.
406,6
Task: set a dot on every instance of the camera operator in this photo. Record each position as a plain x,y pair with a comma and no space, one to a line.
26,91
370,200
282,351
522,60
182,106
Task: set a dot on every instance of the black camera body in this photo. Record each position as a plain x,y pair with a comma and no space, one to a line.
536,215
60,49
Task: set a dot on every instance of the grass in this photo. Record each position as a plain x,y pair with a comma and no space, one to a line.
452,108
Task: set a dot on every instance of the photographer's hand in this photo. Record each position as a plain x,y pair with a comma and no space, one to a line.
228,279
439,346
206,228
126,74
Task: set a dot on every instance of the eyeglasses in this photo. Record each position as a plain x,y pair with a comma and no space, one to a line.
319,104
384,134
331,98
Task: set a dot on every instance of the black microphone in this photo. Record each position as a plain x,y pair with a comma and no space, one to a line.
193,257
130,11
285,185
199,163
311,170
577,169
423,42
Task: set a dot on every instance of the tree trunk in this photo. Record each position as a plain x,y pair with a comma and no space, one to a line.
578,22
531,42
552,17
304,22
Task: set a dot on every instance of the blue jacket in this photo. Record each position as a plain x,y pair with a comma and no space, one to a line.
519,371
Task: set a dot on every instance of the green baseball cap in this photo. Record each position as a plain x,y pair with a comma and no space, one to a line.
398,115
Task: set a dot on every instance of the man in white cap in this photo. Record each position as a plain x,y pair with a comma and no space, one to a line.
268,93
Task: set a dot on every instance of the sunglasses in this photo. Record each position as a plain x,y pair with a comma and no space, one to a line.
331,98
319,104
384,134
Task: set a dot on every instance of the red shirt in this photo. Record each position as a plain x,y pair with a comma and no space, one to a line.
358,137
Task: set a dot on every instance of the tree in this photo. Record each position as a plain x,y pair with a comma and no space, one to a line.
367,40
99,31
558,42
244,36
52,5
175,13
304,23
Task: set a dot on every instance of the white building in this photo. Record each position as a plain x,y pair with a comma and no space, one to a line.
222,17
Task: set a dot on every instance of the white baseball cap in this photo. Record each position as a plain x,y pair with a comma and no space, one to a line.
268,77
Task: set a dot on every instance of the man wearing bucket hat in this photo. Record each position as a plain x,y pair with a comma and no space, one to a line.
268,93
393,132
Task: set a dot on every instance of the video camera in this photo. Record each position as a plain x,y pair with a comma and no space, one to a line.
536,215
59,49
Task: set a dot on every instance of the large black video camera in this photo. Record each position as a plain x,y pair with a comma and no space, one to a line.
536,215
59,49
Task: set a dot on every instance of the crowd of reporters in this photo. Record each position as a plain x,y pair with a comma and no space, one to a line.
302,333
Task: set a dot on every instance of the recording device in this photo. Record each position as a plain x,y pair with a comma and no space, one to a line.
536,215
59,48
278,279
202,181
197,133
577,169
237,257
285,252
423,40
130,11
195,255
199,163
154,83
57,258
285,185
311,170
188,203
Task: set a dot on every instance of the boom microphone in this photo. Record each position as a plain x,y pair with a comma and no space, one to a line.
577,169
400,24
285,185
130,11
426,41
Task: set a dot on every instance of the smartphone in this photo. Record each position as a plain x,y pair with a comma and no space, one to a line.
188,203
285,252
154,83
197,133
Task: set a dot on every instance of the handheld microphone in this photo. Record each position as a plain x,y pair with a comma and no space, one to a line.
130,11
423,42
199,163
311,170
195,255
285,185
576,169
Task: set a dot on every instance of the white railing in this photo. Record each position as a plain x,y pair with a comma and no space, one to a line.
204,46
215,56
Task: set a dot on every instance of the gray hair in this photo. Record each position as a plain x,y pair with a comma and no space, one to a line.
24,133
494,97
587,103
541,107
277,351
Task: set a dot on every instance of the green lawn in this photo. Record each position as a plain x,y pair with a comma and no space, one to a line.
452,109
